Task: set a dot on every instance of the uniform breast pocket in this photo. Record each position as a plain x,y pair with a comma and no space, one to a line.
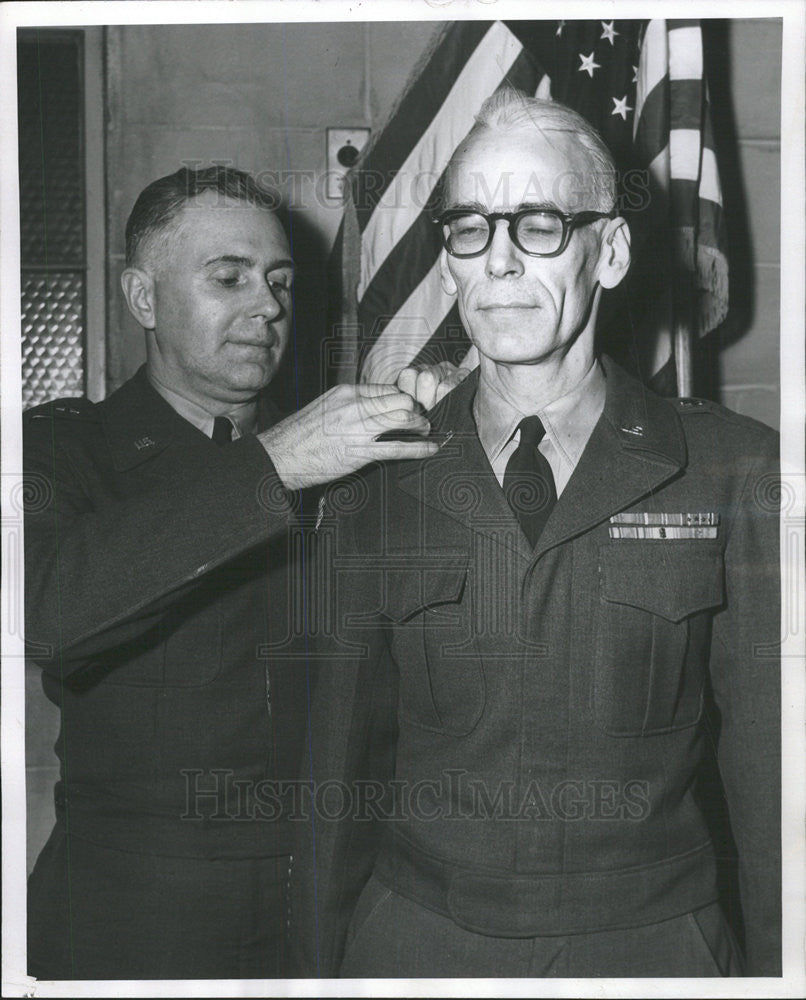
441,676
657,599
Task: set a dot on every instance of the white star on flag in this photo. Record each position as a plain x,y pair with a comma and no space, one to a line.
560,26
635,74
621,107
588,65
609,31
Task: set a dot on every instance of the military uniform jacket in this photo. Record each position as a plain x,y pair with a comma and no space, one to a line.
511,737
156,605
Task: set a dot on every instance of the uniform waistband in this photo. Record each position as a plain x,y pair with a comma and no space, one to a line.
168,837
501,905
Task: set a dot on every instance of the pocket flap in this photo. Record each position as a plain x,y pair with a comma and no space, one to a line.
673,579
427,581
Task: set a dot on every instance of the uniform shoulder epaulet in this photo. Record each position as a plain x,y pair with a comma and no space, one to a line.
70,408
691,404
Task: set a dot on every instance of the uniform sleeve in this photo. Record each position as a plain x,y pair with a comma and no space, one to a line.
746,681
100,570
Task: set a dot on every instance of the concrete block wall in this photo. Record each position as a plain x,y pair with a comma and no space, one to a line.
263,95
746,72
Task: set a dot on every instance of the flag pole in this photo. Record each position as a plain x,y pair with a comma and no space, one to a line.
683,316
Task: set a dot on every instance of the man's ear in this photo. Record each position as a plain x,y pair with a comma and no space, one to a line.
445,276
138,290
614,257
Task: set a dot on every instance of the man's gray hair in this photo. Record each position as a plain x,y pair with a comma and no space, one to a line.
509,110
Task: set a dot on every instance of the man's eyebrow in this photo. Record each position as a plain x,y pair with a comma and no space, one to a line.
524,206
538,206
231,258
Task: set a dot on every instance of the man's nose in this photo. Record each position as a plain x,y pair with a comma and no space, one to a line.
503,257
267,302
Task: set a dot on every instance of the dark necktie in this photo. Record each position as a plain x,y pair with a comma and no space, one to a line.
222,430
528,482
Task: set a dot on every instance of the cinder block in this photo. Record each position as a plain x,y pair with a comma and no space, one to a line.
256,75
754,54
752,359
759,402
760,167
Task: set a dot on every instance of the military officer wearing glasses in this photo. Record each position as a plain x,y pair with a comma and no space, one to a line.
515,708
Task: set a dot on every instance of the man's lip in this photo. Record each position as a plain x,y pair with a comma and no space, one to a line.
266,345
507,305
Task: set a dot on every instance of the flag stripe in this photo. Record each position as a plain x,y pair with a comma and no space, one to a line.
409,330
685,104
449,342
406,195
684,146
685,53
426,90
402,271
659,168
652,130
653,65
710,187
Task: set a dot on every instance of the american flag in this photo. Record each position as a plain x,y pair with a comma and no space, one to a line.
641,84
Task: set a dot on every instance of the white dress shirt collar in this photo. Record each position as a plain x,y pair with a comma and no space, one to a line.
569,421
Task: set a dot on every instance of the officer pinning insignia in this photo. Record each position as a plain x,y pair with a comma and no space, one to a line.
664,525
144,442
635,429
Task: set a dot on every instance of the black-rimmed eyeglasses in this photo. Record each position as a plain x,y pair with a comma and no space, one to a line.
538,232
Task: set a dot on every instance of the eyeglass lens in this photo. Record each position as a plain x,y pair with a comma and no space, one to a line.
535,232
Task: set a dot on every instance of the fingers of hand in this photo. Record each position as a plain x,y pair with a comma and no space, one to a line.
426,387
373,406
407,381
408,420
388,451
368,390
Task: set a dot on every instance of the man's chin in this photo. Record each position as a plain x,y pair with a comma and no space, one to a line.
254,374
240,387
500,351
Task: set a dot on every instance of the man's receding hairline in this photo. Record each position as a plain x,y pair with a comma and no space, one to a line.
169,230
489,136
165,198
511,112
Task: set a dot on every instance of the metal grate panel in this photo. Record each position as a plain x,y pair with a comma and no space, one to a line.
49,68
52,337
51,172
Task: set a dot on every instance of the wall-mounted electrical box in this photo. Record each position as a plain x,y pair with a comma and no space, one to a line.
343,148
